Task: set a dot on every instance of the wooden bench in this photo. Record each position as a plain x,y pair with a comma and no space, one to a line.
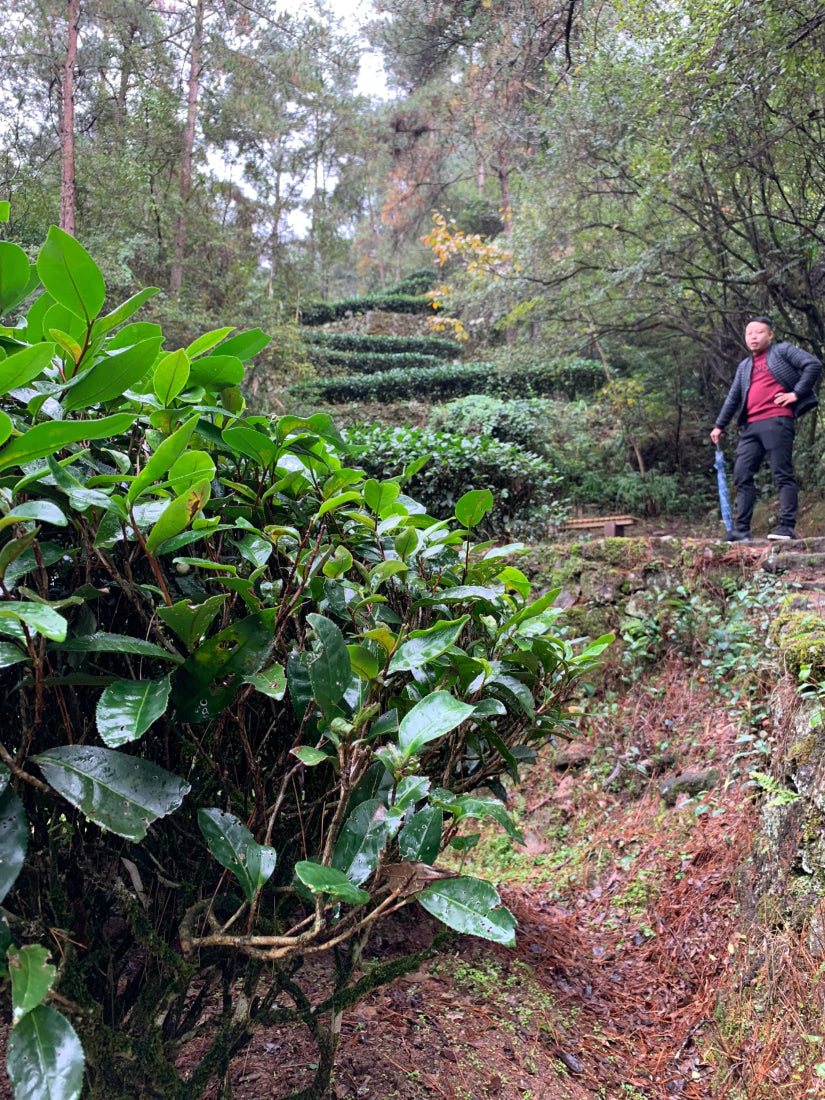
614,526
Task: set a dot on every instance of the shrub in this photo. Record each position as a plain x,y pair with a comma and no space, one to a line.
248,694
524,421
445,382
359,342
366,363
322,313
418,282
525,486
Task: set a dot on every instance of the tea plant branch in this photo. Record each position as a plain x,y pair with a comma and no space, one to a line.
16,770
154,564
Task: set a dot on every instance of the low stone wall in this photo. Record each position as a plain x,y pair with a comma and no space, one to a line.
607,584
786,882
608,581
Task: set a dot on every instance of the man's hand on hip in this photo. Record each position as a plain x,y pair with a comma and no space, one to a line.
785,399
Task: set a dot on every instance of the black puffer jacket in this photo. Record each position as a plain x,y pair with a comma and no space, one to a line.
794,369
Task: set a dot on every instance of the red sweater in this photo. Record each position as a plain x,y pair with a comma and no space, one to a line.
763,389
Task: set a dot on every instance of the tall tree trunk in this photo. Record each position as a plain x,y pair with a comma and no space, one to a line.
67,180
185,187
376,237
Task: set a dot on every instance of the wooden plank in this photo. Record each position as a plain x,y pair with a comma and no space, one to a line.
599,521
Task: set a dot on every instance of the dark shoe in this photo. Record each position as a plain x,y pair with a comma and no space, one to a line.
738,536
782,534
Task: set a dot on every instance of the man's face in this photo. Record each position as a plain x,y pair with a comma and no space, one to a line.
758,337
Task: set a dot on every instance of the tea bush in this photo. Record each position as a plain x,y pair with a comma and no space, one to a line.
524,421
525,486
249,693
450,381
322,313
370,363
359,342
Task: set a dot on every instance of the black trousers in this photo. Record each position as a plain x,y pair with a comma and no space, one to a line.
773,437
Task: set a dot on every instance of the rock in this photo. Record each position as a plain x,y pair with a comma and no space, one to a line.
573,755
565,599
640,606
688,782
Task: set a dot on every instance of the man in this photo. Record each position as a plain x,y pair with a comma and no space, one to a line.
771,389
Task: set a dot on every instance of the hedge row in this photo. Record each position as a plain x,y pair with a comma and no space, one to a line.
355,363
557,378
321,313
413,345
525,487
419,282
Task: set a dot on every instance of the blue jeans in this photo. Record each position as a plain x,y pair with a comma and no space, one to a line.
773,437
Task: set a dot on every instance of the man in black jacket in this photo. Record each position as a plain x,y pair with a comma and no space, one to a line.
771,389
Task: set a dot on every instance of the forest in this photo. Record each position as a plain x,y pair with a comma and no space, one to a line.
302,376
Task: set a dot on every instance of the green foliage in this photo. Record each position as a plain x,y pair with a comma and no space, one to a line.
418,282
372,362
446,382
386,345
281,656
524,421
525,487
322,313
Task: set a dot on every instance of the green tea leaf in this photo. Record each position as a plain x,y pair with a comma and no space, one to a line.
53,435
14,275
245,344
191,468
380,495
209,680
206,342
124,311
420,839
255,445
328,880
70,275
236,849
116,643
473,507
127,708
424,646
330,670
40,511
170,376
14,837
165,456
24,366
311,756
190,621
363,836
44,1058
469,905
10,654
31,978
120,793
271,681
430,719
178,514
111,376
363,662
216,371
40,617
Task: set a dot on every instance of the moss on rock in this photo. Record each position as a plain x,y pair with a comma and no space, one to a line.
619,552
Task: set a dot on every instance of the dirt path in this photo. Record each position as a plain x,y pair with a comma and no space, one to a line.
627,935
